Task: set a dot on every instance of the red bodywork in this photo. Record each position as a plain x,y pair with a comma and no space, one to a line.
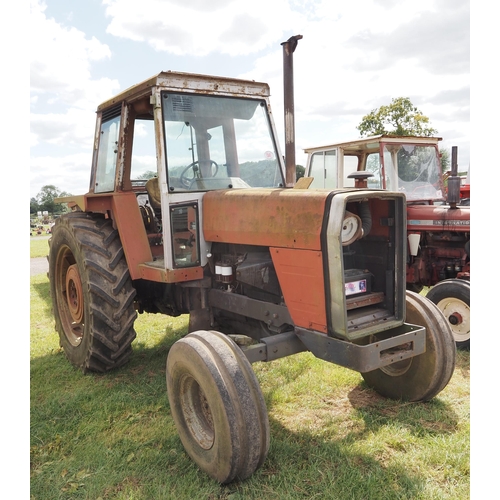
444,231
290,224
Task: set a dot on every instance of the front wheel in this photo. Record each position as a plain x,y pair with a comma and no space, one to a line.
453,299
217,405
424,376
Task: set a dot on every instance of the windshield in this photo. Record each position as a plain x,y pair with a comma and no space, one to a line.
417,169
218,143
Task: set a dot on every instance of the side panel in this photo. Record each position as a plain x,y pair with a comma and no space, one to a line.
130,225
127,219
267,217
301,276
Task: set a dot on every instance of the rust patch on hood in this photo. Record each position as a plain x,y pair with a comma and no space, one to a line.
286,218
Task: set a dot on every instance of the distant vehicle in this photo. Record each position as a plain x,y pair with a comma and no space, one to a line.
438,218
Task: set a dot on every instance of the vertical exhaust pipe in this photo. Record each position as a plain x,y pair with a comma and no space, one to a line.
290,166
454,180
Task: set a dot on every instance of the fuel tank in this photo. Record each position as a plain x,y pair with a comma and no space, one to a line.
438,218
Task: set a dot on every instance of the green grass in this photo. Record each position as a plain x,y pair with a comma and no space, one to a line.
112,436
39,246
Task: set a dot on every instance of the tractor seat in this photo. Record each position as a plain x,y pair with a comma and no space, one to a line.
153,190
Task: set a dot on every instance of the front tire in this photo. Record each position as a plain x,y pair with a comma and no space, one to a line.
217,406
92,293
453,299
424,376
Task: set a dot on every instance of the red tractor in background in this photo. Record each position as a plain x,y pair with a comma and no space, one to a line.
438,216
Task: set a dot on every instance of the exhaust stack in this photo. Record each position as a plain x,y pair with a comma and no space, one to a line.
454,180
290,165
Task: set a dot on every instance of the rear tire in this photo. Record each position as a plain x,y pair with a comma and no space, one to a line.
424,376
453,299
217,406
92,293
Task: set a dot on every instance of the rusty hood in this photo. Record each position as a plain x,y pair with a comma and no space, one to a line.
287,218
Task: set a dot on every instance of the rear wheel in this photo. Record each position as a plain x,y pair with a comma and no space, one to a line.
217,405
422,377
453,299
92,293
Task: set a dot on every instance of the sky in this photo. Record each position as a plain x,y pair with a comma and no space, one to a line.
353,58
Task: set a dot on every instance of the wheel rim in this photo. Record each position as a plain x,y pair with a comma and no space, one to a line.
69,292
74,293
397,369
197,412
457,313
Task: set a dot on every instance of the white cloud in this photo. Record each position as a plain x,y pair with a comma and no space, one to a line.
60,61
63,92
73,128
236,27
70,173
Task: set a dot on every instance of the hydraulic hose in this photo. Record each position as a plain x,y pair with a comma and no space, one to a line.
366,217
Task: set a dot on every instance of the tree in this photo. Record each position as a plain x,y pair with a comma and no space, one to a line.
400,117
148,174
299,171
45,199
445,160
33,206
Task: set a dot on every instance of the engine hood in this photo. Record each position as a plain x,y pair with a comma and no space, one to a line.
287,218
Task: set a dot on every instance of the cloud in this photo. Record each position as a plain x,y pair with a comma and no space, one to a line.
75,128
63,99
199,28
70,173
458,97
60,62
437,40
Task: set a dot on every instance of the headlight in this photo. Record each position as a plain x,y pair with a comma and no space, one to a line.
351,228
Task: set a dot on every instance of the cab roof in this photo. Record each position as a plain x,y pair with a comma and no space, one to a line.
371,143
190,82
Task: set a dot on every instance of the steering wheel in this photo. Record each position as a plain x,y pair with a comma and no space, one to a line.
186,179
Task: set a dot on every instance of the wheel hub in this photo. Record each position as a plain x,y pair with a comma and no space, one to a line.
74,293
455,319
197,413
458,314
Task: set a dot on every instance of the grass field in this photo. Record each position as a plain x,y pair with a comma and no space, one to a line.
112,437
39,246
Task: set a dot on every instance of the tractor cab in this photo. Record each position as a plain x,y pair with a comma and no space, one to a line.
160,146
408,164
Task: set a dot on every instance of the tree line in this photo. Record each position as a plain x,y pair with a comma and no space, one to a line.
44,201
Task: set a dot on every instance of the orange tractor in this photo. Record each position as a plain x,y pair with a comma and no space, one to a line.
438,219
219,233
